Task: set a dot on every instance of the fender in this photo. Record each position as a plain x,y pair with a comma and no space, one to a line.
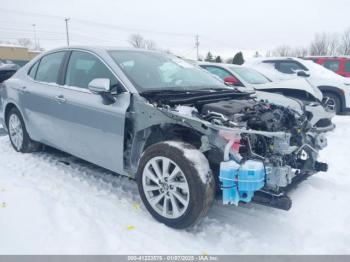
337,91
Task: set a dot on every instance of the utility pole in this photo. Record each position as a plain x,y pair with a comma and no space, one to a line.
67,19
197,45
35,40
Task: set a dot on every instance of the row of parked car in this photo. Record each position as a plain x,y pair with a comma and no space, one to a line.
290,76
187,133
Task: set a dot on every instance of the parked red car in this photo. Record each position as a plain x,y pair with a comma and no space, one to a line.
339,65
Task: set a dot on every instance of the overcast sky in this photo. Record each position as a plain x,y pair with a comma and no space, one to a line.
224,26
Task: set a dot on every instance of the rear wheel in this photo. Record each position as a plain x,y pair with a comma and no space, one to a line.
18,134
174,190
332,101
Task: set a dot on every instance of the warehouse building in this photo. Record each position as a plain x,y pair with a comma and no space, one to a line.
17,54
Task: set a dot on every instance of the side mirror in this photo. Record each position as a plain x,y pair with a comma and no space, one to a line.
230,80
100,85
302,73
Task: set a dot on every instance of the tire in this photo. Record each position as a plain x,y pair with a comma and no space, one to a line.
198,195
332,100
18,134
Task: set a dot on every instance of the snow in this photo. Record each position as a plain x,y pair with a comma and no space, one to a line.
186,110
316,71
52,203
197,158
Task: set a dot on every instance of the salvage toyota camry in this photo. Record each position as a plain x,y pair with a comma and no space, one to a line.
180,132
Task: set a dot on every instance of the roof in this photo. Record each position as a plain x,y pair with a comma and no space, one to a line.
13,46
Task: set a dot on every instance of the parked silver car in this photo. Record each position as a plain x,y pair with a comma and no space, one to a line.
180,132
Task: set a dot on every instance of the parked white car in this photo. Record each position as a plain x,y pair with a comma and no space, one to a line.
296,93
335,88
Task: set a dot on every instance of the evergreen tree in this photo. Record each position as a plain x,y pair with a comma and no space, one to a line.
238,59
218,59
209,57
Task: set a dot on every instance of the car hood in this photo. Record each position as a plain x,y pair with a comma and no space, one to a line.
281,100
294,84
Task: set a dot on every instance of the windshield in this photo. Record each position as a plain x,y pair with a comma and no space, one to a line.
150,71
249,75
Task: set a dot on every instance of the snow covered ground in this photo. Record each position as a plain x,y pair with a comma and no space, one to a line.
52,203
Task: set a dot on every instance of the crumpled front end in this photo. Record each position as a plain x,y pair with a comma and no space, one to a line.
261,149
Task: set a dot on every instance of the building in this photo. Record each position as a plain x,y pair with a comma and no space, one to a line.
17,54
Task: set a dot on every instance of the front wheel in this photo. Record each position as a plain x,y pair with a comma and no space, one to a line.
175,183
332,102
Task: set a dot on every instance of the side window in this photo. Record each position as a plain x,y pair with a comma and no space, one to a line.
84,67
222,73
347,66
332,65
33,69
49,67
288,67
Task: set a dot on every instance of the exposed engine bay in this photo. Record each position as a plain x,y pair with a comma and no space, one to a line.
268,146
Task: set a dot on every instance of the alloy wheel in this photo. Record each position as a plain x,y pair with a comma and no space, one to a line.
166,187
16,131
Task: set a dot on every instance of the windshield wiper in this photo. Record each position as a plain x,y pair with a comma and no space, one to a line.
189,92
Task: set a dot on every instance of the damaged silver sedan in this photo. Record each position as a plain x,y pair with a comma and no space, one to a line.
182,134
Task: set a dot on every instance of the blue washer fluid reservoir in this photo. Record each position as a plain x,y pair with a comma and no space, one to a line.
239,182
251,178
228,177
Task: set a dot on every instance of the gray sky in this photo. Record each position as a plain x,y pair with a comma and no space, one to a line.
224,26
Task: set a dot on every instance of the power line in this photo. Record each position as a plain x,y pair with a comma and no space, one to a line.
100,24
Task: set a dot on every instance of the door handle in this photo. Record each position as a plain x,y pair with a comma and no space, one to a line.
60,99
22,89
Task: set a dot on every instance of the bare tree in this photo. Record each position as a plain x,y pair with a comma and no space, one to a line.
150,44
137,41
257,54
325,44
283,50
320,45
333,44
344,47
299,52
25,42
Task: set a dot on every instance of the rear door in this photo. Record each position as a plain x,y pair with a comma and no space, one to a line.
38,97
89,127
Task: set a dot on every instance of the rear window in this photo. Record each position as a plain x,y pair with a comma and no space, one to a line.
33,69
49,67
332,65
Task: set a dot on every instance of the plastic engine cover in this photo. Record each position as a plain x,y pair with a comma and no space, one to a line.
239,182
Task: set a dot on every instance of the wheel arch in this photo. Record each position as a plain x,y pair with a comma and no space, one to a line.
143,139
8,108
336,91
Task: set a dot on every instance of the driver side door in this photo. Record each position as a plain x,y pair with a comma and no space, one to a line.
88,127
